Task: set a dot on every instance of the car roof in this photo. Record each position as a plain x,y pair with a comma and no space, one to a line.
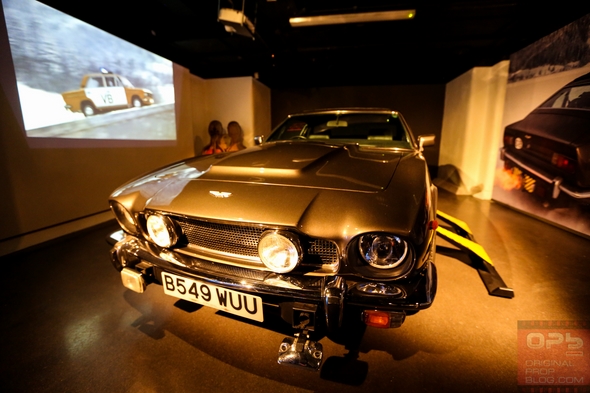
342,111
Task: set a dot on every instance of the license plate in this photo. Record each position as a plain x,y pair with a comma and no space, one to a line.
233,302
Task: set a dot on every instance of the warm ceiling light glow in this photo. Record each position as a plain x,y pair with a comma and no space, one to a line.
351,18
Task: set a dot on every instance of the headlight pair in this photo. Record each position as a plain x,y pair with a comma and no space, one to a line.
280,251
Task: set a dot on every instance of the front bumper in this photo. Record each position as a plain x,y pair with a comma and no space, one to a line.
330,295
555,182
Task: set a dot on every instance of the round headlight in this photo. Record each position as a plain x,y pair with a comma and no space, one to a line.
124,217
279,251
161,230
383,251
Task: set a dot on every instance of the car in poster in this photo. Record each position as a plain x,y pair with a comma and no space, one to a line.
332,218
105,91
549,150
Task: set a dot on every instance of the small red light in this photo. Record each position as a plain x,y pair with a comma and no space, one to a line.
563,162
433,225
377,319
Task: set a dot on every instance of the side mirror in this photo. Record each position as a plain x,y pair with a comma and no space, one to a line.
426,140
258,140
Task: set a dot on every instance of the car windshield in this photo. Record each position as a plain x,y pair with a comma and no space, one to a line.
382,130
126,82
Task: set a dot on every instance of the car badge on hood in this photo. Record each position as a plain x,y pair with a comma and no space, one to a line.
220,194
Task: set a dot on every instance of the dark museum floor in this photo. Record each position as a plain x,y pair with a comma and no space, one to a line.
68,325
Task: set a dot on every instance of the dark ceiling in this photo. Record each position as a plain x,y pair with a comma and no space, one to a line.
445,39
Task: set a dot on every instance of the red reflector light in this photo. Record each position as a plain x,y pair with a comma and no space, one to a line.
376,319
433,224
563,162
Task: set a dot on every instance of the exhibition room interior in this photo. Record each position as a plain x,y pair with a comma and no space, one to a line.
483,77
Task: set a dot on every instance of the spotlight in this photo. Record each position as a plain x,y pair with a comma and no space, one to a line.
362,17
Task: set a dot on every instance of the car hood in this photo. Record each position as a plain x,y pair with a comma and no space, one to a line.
273,183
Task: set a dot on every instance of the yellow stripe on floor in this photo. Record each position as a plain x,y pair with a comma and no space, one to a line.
466,243
454,220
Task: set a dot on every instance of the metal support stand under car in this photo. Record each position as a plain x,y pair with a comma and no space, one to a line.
300,350
464,240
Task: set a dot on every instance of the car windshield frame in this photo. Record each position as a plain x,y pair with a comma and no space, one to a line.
382,130
569,97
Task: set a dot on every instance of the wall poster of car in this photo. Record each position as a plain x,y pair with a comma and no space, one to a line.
544,161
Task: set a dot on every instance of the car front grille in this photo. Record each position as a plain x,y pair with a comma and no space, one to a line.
241,241
230,239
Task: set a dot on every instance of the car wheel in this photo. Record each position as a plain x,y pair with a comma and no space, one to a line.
88,109
136,102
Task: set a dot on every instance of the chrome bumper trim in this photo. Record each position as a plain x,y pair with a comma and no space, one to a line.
540,174
555,181
334,297
574,194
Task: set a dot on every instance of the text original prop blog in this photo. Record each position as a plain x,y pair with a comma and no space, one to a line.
553,354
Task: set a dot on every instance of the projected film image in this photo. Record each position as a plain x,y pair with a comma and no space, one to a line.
76,81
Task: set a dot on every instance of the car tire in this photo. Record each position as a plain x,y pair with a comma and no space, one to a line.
88,109
136,102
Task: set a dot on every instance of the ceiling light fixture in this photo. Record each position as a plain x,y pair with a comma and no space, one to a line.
352,18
